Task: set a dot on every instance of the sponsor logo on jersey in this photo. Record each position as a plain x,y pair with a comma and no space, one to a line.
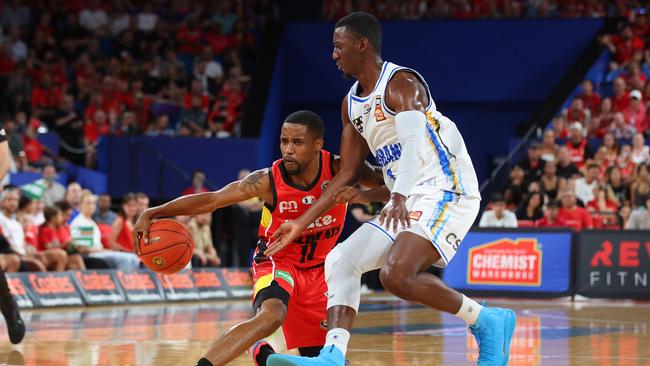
505,262
366,109
291,206
358,124
388,154
324,185
285,276
322,221
415,215
379,113
308,200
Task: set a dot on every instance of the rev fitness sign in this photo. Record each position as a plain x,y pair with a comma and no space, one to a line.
511,262
614,264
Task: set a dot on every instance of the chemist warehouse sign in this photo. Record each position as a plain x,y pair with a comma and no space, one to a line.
505,261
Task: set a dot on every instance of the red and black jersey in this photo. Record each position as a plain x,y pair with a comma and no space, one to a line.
290,202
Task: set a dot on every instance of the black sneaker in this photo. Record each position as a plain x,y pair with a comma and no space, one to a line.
15,325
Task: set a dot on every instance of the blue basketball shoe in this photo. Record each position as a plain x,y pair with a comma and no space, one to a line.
329,356
493,332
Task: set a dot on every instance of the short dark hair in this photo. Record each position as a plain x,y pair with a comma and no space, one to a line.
592,165
363,25
63,206
50,212
314,123
497,197
553,204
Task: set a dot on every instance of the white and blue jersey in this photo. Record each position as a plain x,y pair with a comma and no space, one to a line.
444,160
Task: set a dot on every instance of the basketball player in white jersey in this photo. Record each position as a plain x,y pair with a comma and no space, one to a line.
434,199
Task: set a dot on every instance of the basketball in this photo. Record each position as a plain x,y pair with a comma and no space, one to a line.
170,247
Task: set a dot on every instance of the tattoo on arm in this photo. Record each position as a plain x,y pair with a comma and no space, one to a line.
253,182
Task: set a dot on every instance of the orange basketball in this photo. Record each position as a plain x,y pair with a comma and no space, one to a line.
170,247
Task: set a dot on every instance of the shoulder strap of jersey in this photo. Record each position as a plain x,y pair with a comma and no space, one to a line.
392,73
272,171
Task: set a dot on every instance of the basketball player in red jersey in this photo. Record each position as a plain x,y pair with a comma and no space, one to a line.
289,288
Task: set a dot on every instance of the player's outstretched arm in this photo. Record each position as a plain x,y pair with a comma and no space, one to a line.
354,150
256,184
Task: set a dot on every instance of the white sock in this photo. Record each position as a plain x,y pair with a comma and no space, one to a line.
338,337
469,310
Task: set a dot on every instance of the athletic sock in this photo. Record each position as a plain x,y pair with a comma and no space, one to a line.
264,353
204,362
339,338
469,310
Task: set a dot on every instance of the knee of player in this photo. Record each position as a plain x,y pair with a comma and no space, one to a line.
393,276
272,313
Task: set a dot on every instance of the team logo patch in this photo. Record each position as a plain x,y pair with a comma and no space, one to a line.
366,109
308,200
379,113
415,215
159,261
291,206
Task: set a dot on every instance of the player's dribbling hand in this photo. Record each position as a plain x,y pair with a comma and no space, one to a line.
141,230
395,212
283,236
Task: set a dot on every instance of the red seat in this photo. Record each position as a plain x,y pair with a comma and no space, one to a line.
525,223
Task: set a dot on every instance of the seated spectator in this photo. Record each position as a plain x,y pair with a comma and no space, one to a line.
625,163
552,216
589,97
13,231
49,239
603,120
621,98
205,254
549,147
93,130
532,208
604,205
614,182
640,218
612,149
198,180
143,202
73,198
640,151
195,106
550,184
570,211
585,186
635,113
533,165
104,214
621,129
63,233
623,45
46,98
54,191
640,188
578,147
160,127
560,128
634,77
577,113
566,169
516,186
600,159
498,216
37,154
121,238
86,238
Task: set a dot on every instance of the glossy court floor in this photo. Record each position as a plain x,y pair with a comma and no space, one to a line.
387,332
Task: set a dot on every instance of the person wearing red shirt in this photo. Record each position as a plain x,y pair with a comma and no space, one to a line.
577,145
36,153
577,112
49,237
198,179
635,78
635,113
570,211
589,97
623,45
552,218
190,37
621,98
46,97
93,130
121,238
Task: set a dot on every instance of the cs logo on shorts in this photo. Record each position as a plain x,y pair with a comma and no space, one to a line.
308,200
415,215
452,239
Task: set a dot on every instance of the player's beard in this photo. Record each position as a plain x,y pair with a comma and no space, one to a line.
293,171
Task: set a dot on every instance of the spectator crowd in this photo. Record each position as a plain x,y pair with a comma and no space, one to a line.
91,68
592,167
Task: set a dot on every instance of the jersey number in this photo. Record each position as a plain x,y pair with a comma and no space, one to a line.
309,248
